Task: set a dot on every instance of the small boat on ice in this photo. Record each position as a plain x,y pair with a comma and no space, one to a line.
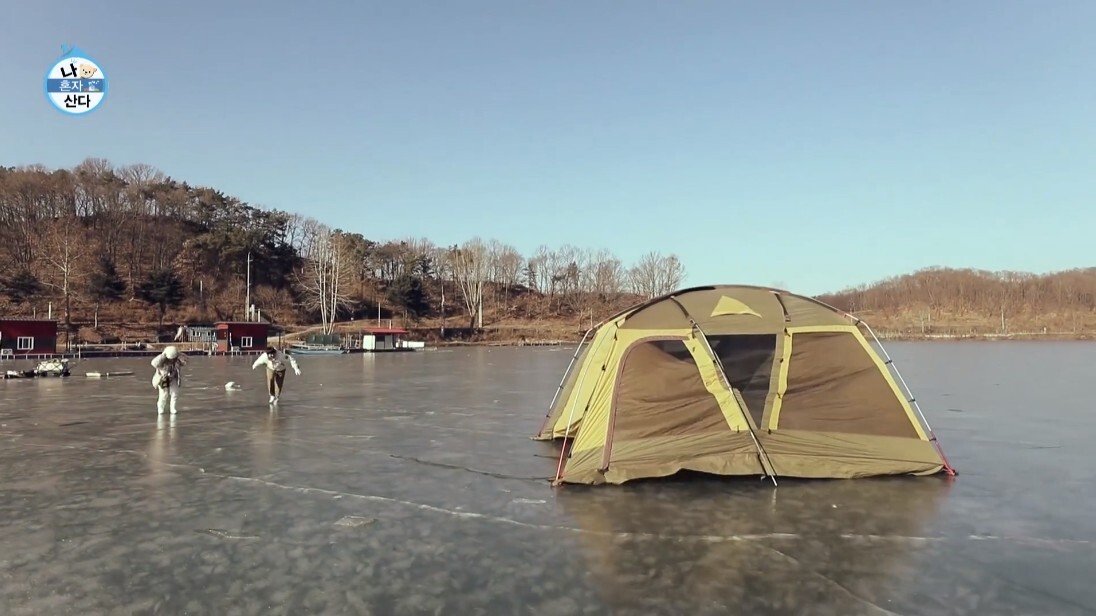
48,367
315,349
52,367
101,375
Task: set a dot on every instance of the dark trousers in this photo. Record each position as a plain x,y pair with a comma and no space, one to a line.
274,381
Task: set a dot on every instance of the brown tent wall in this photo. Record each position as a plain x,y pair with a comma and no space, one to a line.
648,401
834,386
660,393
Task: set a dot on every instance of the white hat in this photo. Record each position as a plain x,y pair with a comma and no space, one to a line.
171,352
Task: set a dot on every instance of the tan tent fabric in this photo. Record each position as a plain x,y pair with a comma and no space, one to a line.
720,379
659,393
833,383
804,312
702,304
839,455
726,453
567,388
659,316
555,425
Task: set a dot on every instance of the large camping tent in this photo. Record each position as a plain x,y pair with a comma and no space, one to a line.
734,380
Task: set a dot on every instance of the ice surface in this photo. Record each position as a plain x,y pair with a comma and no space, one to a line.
407,484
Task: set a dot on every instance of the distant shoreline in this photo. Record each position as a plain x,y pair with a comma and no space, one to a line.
1019,337
453,344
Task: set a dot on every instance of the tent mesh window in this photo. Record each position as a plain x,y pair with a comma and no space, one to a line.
748,363
661,393
835,386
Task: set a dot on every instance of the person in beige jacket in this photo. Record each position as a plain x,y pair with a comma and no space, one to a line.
275,361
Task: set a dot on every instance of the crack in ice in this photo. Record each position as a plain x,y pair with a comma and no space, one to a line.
841,587
470,515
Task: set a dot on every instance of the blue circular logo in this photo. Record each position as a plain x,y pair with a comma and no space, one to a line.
76,84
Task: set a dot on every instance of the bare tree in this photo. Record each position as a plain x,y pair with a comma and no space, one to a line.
64,252
23,204
470,266
542,265
654,275
568,272
421,253
510,264
326,278
443,272
296,231
605,274
141,175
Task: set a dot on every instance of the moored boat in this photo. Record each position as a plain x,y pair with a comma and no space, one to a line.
315,349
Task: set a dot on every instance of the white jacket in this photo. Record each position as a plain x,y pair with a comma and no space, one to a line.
167,368
277,364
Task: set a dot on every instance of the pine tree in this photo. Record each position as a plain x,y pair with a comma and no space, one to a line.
22,287
406,291
105,285
162,288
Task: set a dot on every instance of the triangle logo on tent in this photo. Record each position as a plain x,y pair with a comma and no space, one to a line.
731,306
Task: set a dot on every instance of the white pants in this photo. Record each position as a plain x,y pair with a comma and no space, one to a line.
171,391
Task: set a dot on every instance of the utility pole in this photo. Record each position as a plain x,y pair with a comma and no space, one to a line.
247,301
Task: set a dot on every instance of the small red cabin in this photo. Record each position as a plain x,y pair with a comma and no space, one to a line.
28,337
243,336
382,338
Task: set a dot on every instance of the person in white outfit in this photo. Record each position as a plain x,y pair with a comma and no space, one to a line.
168,379
275,361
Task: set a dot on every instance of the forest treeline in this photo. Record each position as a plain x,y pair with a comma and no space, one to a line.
134,243
967,301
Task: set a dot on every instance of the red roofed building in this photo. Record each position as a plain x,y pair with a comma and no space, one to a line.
383,338
23,337
244,336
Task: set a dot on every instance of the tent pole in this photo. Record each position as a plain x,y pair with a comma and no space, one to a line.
948,468
762,455
909,394
566,373
570,417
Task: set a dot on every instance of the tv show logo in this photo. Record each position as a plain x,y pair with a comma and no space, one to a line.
76,84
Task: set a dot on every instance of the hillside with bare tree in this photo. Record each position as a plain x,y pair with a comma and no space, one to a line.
942,302
129,252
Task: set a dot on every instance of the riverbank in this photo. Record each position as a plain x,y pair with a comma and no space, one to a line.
519,333
976,336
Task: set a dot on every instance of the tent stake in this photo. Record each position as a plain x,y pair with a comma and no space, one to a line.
562,454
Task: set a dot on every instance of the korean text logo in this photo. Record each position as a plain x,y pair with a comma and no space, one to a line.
76,84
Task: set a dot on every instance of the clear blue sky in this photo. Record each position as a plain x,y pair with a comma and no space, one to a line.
811,144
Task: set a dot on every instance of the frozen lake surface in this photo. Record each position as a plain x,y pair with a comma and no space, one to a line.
406,484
